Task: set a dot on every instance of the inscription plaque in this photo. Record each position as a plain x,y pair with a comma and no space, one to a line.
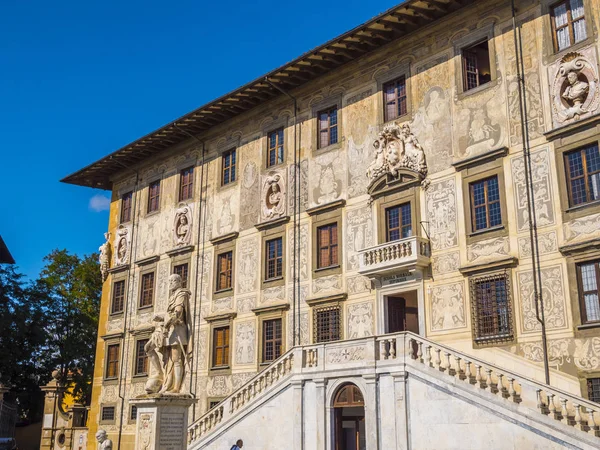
172,432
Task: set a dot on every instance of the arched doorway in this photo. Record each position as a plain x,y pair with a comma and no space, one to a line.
349,414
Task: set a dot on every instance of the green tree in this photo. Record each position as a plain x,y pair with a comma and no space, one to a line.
22,337
69,290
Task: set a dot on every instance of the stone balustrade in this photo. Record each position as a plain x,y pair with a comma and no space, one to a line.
254,388
411,353
403,254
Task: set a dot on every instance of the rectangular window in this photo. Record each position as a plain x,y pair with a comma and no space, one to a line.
476,65
224,268
327,246
491,306
274,259
588,275
213,403
229,165
112,361
327,324
568,24
186,184
126,207
275,147
398,222
118,297
272,340
141,358
133,413
154,196
593,386
583,175
221,347
182,271
108,414
147,294
394,98
328,127
485,204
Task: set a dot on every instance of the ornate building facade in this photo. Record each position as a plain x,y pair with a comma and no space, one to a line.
386,181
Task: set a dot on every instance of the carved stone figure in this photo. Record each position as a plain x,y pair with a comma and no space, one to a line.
122,246
396,148
105,257
575,90
154,348
182,228
178,336
274,197
103,442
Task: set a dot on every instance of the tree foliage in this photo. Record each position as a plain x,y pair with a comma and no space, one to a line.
49,324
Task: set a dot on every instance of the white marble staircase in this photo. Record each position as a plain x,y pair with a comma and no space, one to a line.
405,377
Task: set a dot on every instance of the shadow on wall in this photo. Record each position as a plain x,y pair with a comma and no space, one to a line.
28,436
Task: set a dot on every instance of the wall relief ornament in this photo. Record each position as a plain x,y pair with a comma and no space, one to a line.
575,91
273,199
448,307
104,257
396,148
122,246
182,227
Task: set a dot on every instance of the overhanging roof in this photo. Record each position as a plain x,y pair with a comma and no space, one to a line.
393,24
5,256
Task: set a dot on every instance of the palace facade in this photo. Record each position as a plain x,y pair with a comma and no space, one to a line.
435,170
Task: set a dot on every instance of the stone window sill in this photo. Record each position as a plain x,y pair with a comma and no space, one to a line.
588,326
487,230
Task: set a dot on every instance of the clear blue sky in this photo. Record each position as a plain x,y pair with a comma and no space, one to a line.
79,80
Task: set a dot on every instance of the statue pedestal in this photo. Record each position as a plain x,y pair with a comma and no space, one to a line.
162,421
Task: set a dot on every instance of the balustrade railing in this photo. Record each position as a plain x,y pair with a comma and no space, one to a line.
396,254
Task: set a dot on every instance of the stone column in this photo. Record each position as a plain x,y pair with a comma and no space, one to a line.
162,421
322,437
401,410
297,386
371,409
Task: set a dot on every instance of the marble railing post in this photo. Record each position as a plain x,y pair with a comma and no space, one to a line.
298,391
401,410
321,385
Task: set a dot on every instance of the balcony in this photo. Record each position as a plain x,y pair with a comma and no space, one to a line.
396,257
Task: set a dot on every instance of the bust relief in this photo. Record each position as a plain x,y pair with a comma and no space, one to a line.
182,226
273,201
122,246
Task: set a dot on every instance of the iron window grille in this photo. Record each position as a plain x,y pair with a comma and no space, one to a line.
491,308
118,300
593,388
108,413
327,323
133,413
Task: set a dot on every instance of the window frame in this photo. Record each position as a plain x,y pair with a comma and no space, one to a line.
486,33
581,293
397,98
185,277
278,241
581,150
112,296
552,7
124,208
215,329
186,185
486,204
144,274
316,310
329,127
108,361
104,421
399,206
331,232
279,144
140,354
273,341
233,174
331,214
489,340
219,272
130,418
150,208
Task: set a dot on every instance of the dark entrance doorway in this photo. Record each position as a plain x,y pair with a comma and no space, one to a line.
402,314
349,411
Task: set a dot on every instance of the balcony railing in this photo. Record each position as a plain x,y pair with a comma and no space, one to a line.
394,257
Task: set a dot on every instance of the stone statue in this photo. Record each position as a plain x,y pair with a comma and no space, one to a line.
178,337
183,225
154,348
274,201
576,92
396,148
105,257
103,442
